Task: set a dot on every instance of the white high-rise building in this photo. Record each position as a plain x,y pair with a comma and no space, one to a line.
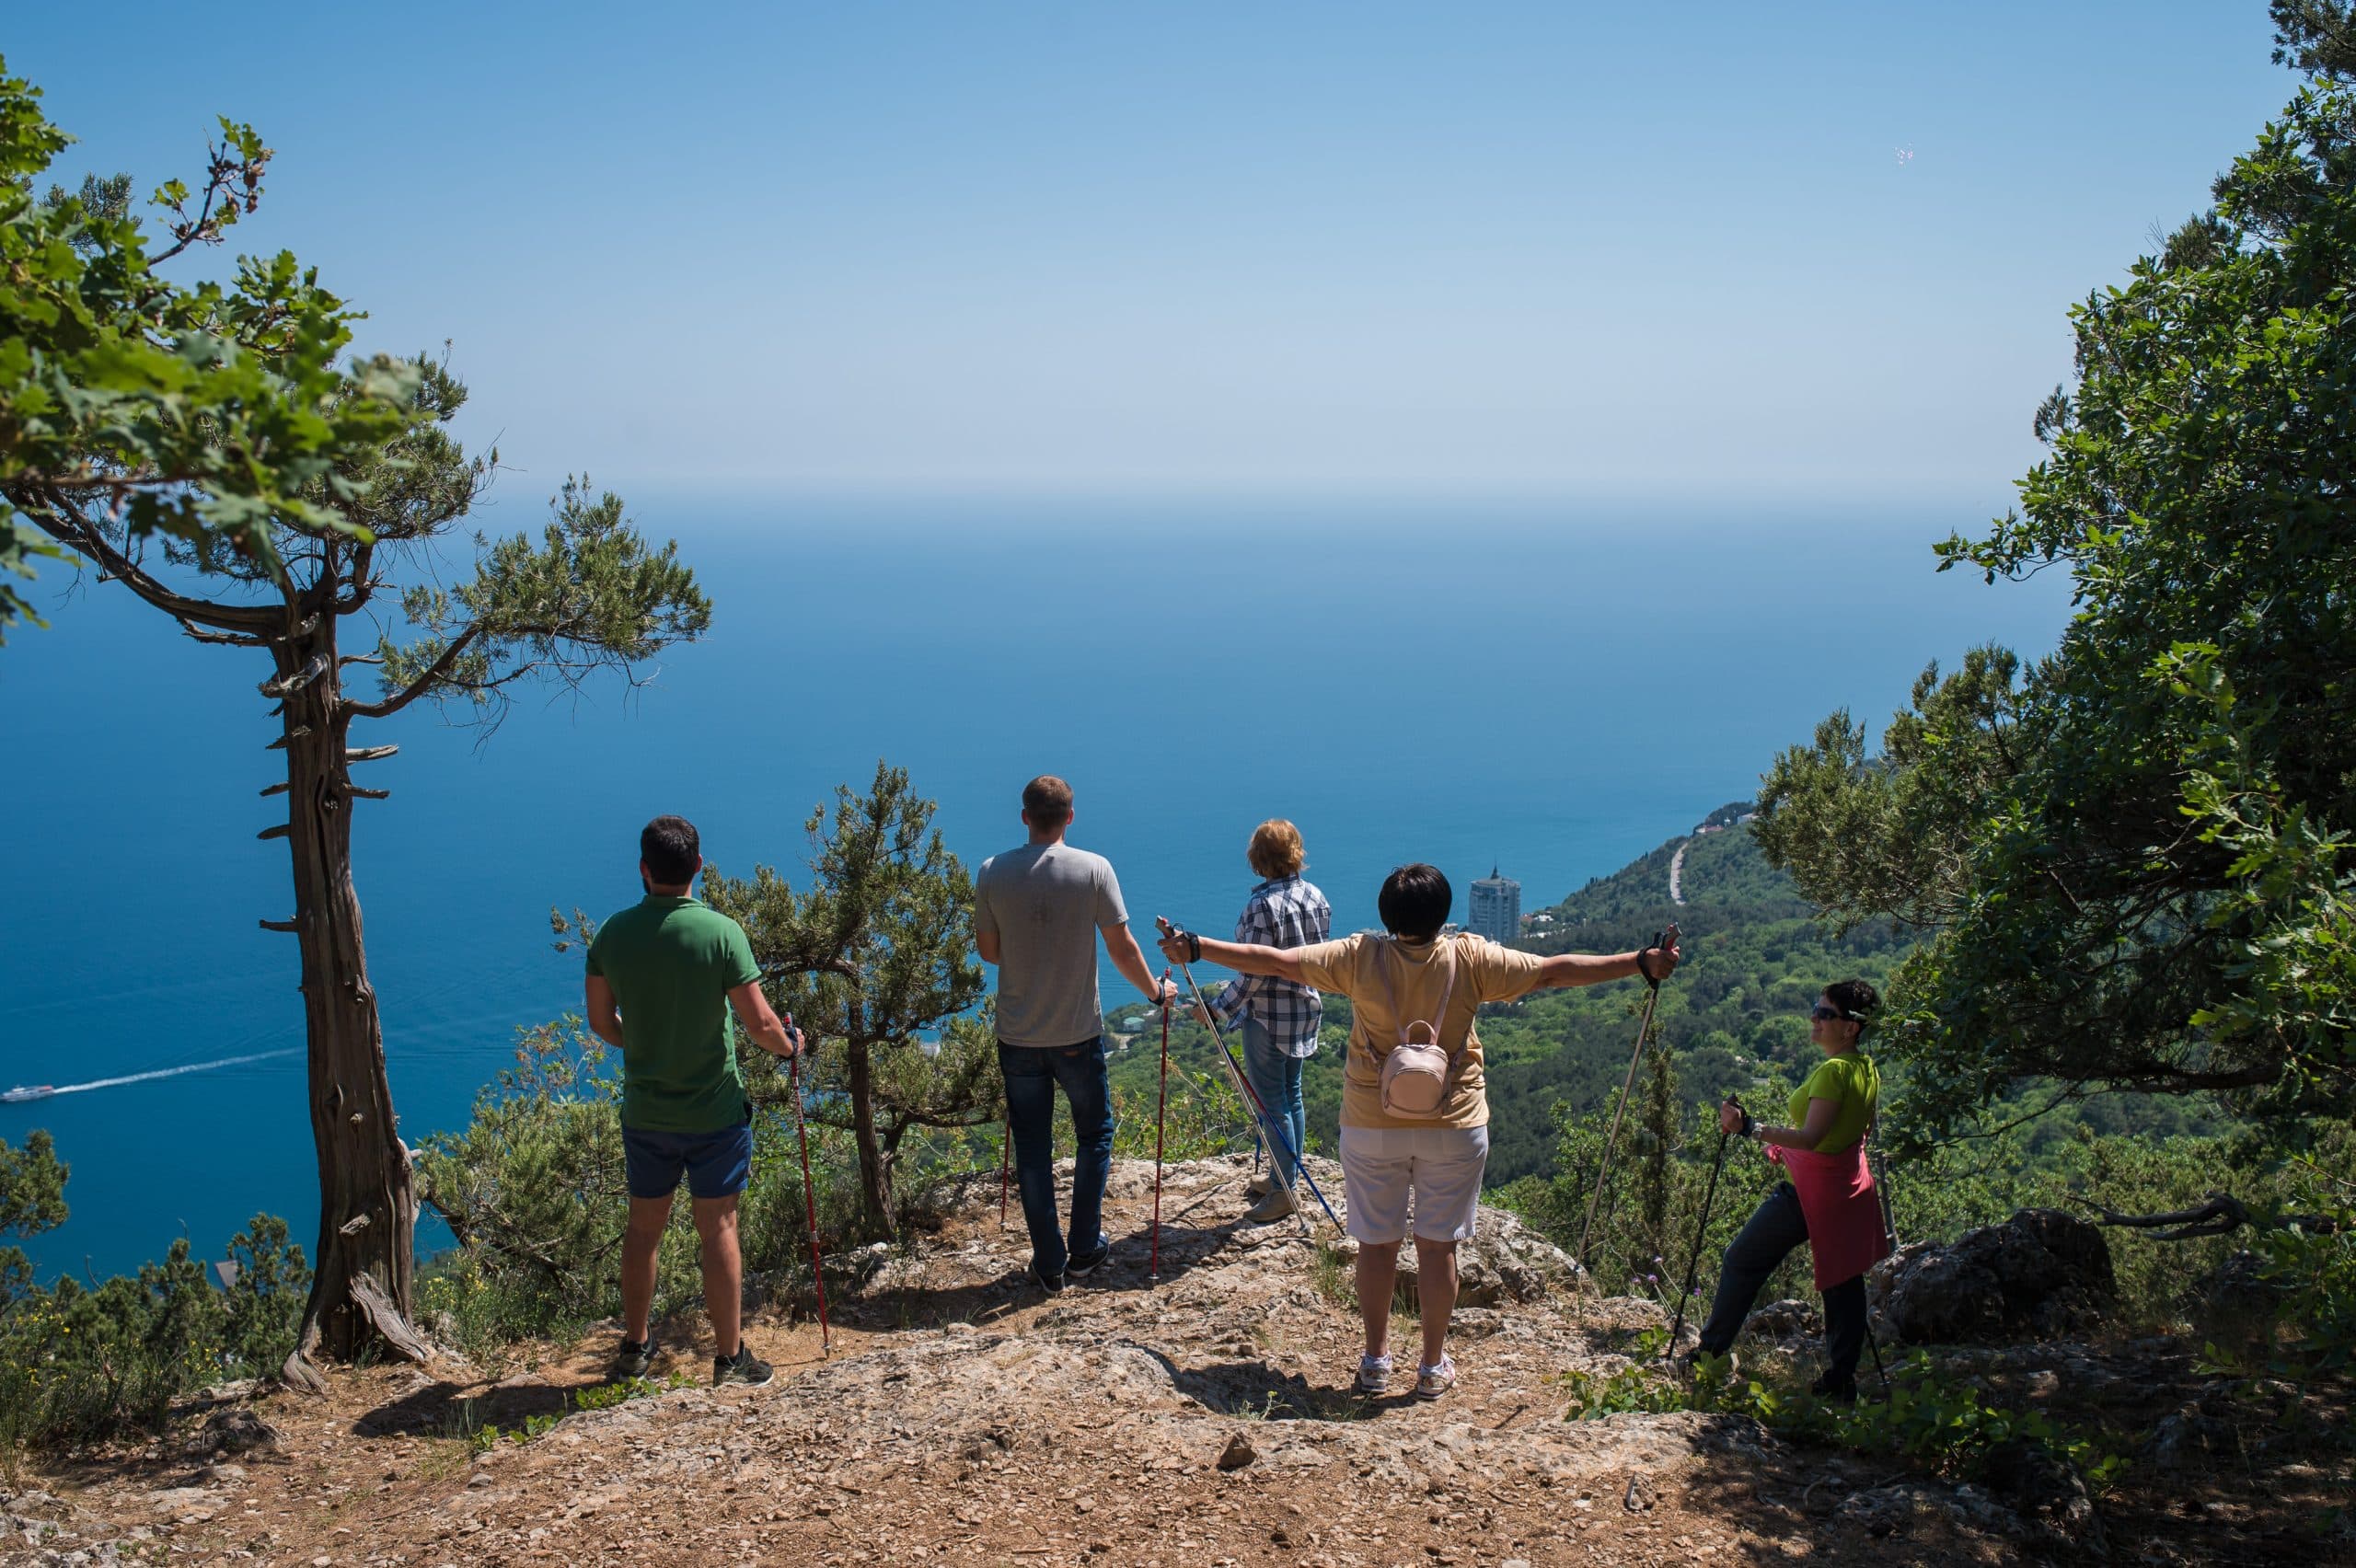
1496,910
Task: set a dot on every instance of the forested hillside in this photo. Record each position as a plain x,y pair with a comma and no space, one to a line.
1733,1019
1734,1013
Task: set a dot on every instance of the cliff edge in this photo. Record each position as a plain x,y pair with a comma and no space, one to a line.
965,1417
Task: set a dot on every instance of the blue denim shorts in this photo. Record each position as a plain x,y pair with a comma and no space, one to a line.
717,1165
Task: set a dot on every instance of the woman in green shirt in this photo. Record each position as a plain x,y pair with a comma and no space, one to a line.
1829,1201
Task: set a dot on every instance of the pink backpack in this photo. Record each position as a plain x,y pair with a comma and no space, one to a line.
1416,1070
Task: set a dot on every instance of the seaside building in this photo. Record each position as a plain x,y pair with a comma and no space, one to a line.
1495,909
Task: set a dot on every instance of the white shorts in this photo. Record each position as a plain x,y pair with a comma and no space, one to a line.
1437,1168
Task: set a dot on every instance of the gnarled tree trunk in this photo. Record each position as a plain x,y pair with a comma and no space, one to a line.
360,1284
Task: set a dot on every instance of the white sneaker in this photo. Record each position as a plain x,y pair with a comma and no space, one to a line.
1374,1373
1433,1381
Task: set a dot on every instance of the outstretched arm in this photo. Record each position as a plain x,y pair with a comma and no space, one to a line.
1567,969
1244,958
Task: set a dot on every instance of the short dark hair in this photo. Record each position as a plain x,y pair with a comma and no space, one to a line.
1857,999
671,851
1414,902
1047,801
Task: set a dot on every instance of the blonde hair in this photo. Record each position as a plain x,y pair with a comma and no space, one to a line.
1277,849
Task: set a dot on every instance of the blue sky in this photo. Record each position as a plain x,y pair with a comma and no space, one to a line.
1556,249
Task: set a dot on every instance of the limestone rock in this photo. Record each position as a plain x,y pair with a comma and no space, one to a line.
2040,1274
237,1430
2189,1440
1783,1321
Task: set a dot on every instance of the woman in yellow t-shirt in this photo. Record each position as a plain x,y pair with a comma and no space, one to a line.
1829,1202
1429,1165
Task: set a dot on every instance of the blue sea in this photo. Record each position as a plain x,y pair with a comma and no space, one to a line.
1547,689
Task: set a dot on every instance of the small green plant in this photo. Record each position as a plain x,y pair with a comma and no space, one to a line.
601,1396
1329,1276
604,1396
490,1436
1942,1423
1640,1388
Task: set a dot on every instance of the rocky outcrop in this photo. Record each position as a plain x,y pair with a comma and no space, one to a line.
2041,1274
1197,1413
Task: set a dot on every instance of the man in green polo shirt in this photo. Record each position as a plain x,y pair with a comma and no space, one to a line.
664,974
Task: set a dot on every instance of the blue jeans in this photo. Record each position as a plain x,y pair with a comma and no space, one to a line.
1032,1075
1275,1078
1765,1243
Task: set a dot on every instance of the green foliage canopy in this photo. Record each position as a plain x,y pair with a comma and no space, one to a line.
2132,857
200,411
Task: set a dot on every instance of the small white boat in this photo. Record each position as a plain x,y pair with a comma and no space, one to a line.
18,1095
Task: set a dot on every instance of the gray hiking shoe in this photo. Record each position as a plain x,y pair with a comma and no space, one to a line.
1278,1205
744,1367
1260,1187
636,1357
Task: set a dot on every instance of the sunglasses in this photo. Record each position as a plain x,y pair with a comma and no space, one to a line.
1823,1010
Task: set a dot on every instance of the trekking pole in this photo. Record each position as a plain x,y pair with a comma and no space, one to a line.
1264,1121
1603,1171
1693,1264
1005,1161
1160,1106
1880,1168
810,1201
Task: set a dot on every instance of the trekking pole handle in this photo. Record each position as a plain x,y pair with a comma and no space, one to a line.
1194,942
1663,938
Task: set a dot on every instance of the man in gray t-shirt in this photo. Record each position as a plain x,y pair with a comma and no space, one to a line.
1037,913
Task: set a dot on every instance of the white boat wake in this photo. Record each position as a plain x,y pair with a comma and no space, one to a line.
44,1091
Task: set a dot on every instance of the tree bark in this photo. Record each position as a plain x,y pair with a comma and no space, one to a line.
360,1284
876,1207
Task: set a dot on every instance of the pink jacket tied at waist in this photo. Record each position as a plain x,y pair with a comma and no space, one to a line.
1843,1210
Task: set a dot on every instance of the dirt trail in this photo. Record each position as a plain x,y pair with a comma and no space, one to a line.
964,1417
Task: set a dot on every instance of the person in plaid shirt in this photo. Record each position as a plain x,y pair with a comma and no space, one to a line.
1278,1018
